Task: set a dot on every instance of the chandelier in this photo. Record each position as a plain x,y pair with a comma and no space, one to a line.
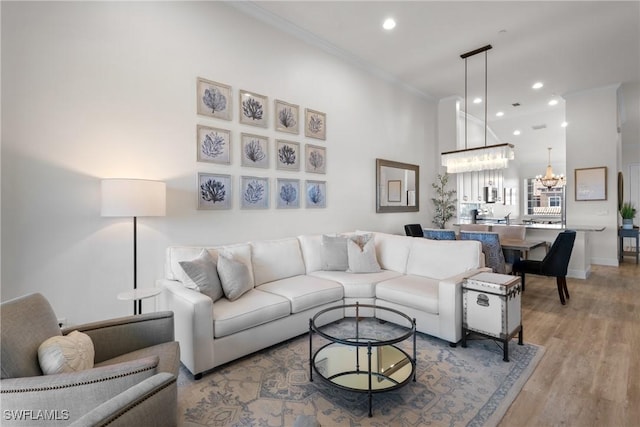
478,158
550,180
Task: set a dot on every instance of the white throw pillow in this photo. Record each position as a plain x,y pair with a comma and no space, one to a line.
334,253
202,275
66,353
234,275
361,251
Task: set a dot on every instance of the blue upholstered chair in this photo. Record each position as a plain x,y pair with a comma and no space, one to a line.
413,230
554,264
493,256
439,234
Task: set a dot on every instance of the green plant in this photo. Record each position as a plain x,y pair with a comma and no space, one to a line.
628,211
444,201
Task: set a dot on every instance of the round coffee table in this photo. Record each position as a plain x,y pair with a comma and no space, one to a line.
365,361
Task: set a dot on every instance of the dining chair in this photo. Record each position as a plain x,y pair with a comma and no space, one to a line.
413,230
493,256
516,232
554,264
474,227
439,234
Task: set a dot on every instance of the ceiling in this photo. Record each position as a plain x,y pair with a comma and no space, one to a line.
570,46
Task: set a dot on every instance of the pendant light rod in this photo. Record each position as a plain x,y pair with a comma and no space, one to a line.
486,100
477,51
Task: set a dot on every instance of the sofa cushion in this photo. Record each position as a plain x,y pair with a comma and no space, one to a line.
393,251
357,285
440,259
311,247
276,259
202,275
416,292
334,253
234,276
305,292
361,250
252,309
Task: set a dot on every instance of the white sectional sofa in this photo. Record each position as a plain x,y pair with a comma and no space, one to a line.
419,277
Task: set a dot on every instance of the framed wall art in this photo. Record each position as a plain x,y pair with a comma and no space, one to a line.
394,189
315,124
287,155
254,192
254,151
316,194
253,109
591,184
287,117
214,99
214,191
214,145
287,193
315,159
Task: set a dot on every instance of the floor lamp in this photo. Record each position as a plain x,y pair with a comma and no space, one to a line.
133,198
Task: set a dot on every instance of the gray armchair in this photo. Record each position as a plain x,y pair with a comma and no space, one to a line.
133,382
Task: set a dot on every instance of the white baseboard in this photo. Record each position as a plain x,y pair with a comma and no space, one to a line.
611,262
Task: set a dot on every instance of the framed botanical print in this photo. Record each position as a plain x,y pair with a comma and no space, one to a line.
253,109
287,117
214,191
315,124
316,194
287,193
315,159
287,155
254,192
214,99
214,145
254,151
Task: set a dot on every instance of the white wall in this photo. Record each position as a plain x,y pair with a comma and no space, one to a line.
96,90
592,139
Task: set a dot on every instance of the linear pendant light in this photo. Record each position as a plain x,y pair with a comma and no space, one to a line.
479,158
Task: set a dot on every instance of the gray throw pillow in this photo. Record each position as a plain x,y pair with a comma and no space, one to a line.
334,253
203,273
361,250
235,277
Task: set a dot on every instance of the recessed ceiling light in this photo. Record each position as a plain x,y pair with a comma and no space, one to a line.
516,132
553,102
389,24
500,113
564,124
537,85
477,100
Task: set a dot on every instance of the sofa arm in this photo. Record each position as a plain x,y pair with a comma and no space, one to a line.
450,304
63,398
193,324
115,337
153,402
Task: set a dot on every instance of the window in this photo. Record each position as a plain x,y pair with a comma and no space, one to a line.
543,201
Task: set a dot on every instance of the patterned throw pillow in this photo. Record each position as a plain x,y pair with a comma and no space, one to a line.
361,250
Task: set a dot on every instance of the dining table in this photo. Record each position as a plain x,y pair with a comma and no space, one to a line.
523,246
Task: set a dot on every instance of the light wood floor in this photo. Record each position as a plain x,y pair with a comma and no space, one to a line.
590,372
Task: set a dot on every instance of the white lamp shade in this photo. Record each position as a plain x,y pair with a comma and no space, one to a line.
133,197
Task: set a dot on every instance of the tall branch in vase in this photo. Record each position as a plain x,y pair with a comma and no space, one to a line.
444,202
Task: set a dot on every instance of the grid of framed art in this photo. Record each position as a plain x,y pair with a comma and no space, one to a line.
215,144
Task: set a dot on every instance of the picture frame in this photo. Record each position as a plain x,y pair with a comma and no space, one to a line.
591,184
287,117
213,99
315,159
254,151
213,145
394,190
315,124
287,155
253,109
214,191
287,193
315,194
254,192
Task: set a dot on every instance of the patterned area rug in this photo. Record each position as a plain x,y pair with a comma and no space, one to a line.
455,387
